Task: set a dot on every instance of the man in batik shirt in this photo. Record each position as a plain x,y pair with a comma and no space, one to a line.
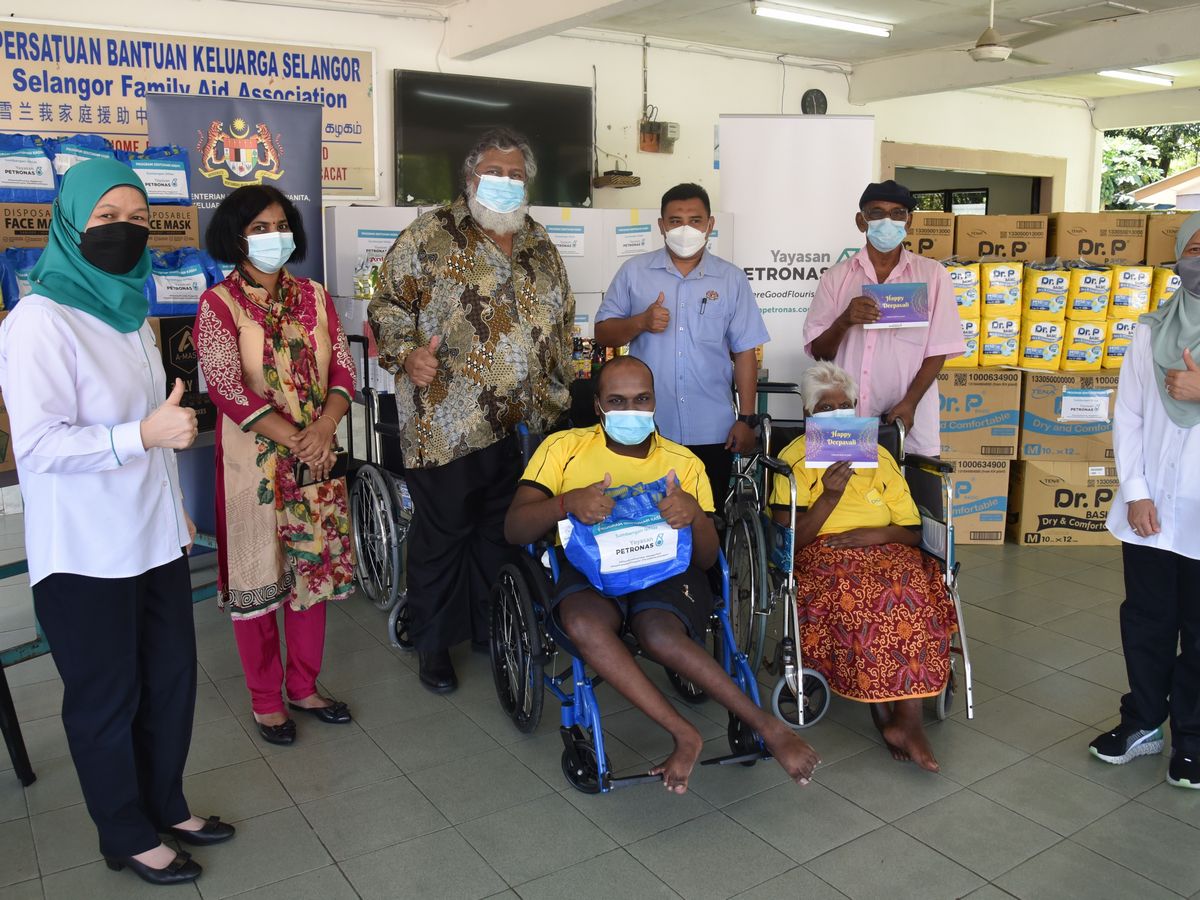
474,316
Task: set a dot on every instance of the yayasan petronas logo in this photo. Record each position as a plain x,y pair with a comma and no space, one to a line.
240,156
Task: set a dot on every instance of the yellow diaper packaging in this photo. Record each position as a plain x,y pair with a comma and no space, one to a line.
1044,292
970,358
1163,286
1118,337
1041,344
1083,346
1088,293
965,278
999,339
1000,288
1131,291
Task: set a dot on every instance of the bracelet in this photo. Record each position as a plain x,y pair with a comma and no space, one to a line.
330,418
562,506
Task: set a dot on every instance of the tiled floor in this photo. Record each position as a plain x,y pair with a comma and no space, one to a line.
431,797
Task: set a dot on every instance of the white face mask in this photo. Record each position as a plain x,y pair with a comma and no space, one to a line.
268,252
834,414
686,241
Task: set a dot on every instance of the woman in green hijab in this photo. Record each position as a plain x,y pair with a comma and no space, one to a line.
1156,515
94,435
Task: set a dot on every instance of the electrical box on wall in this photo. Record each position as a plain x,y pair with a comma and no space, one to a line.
657,137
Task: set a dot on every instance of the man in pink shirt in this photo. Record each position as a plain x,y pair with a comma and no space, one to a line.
896,368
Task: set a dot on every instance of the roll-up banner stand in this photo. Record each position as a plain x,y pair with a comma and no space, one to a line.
792,184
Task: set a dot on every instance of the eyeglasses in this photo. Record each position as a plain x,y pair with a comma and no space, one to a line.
875,213
514,174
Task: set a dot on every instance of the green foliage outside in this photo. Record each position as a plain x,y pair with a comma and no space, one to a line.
1136,157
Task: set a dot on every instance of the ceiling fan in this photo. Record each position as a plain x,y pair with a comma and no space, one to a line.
990,48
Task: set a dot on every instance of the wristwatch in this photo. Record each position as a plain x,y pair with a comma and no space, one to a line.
751,419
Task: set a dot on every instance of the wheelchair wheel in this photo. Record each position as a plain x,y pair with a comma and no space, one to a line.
516,650
944,703
399,623
585,777
746,553
687,691
741,739
786,706
376,536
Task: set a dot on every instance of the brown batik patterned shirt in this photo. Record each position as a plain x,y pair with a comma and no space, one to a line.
505,327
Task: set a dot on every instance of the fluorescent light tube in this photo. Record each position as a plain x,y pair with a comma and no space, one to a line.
821,20
1137,75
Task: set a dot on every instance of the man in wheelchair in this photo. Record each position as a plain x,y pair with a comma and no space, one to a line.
570,473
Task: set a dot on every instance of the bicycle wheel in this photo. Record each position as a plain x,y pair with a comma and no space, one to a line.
746,553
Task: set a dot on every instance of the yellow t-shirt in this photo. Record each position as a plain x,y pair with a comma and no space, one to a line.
873,498
580,457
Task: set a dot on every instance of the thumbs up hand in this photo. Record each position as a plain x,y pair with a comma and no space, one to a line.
590,504
656,316
678,508
171,425
421,364
1184,384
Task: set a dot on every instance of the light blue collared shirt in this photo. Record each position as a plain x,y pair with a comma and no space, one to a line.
713,314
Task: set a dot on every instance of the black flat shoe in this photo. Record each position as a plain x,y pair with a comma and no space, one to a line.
214,831
436,672
182,869
336,713
284,735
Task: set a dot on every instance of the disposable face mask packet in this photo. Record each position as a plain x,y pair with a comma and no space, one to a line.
164,171
67,152
177,279
26,172
15,265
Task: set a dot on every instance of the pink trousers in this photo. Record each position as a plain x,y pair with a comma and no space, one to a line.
262,663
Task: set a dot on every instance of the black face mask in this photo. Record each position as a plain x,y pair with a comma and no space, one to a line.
114,248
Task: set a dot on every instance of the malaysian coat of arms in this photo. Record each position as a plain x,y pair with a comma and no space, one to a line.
240,156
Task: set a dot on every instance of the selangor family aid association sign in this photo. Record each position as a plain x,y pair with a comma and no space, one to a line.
59,80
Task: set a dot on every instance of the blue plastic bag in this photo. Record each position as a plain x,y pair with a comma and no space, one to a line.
177,279
66,152
15,265
164,171
26,173
633,548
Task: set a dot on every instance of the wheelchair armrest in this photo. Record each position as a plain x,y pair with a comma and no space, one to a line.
777,387
775,465
929,464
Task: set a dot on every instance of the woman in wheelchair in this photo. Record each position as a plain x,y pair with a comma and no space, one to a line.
569,474
875,614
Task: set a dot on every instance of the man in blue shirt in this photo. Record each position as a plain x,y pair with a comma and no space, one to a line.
693,319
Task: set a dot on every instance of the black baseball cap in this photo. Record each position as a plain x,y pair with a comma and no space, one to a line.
890,192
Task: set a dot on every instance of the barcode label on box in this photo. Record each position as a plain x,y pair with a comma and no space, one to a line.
1094,471
984,535
995,450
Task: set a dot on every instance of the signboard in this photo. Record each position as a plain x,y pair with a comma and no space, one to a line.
57,80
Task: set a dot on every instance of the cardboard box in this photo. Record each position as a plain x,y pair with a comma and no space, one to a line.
931,234
980,500
28,225
1099,237
1161,231
1002,237
980,409
1043,436
1057,503
173,334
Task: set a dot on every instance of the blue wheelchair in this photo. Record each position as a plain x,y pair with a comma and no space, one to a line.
525,643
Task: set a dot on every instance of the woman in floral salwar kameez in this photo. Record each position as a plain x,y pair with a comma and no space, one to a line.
278,368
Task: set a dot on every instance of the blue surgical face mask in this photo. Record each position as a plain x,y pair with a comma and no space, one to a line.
502,195
1188,270
834,414
886,235
629,426
268,252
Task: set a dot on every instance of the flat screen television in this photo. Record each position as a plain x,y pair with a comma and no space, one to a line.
440,116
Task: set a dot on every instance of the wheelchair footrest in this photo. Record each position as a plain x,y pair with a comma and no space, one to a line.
736,759
633,781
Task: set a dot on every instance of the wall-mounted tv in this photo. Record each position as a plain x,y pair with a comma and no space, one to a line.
440,116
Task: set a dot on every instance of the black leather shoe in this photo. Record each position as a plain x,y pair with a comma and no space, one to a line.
284,735
214,831
437,672
182,869
336,713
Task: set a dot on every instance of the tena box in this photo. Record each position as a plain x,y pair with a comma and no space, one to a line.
1052,426
1131,291
1041,344
1044,292
931,234
1061,503
1000,288
1083,346
1117,338
999,341
1161,231
965,278
1163,286
1088,292
1102,237
980,409
1004,237
970,358
980,500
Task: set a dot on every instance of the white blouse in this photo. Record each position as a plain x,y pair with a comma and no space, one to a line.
1156,459
96,502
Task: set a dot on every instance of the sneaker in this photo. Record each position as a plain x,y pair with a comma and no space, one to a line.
1126,742
1184,771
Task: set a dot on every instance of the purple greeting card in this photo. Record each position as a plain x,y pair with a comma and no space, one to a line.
831,439
901,305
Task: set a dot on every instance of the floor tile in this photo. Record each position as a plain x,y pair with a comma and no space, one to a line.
267,849
1049,648
1089,627
36,701
372,817
802,822
219,744
798,882
32,671
441,865
1154,845
635,730
45,739
399,699
1022,724
1009,574
17,859
633,813
534,839
1056,565
977,833
988,892
1068,871
433,740
57,786
210,705
542,755
13,803
1050,796
835,742
613,874
1107,670
1179,803
886,791
95,882
25,890
497,724
311,772
675,857
722,785
889,863
1070,696
236,792
64,838
1076,595
966,755
1004,670
323,884
360,667
478,785
1022,605
1099,578
1129,780
983,624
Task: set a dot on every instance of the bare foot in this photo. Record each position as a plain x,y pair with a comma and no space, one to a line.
313,701
907,732
158,858
195,823
275,718
881,716
794,754
677,767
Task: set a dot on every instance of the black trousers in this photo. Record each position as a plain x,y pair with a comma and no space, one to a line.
1162,612
456,543
126,651
718,463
